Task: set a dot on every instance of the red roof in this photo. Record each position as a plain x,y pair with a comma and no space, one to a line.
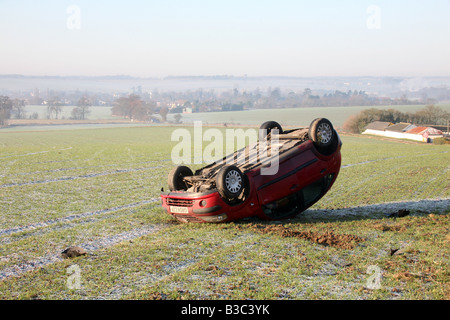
417,130
421,130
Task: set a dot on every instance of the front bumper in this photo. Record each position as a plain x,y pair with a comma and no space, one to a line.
196,207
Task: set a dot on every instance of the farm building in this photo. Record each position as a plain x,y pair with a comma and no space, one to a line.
424,134
403,131
397,130
377,128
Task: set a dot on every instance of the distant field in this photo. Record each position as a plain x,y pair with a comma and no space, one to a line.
99,189
293,116
287,117
66,112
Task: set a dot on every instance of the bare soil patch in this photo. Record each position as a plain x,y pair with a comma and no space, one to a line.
329,238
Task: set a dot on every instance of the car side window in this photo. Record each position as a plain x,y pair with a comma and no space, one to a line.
284,207
297,201
314,191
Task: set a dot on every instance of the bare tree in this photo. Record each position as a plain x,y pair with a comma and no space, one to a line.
83,107
53,107
133,107
18,108
163,113
5,110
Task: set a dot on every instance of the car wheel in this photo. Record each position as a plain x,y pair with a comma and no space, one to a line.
323,135
230,182
176,176
321,132
267,127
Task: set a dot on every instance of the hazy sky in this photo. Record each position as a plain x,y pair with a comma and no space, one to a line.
254,37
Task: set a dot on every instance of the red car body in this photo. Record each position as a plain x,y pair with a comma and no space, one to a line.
305,174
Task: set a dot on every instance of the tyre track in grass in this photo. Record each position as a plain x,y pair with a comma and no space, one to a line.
123,289
87,176
431,179
61,227
386,173
72,168
388,158
44,224
341,188
201,255
34,153
90,247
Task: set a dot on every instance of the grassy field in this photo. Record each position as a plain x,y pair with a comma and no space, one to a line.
99,189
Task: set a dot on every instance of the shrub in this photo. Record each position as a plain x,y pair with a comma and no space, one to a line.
443,140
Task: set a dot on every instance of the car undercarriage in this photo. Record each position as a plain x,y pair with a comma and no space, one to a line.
250,157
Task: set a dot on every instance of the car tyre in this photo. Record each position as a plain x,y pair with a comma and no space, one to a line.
176,178
230,182
267,127
321,132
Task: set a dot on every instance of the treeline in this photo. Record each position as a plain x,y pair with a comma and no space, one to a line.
235,99
430,115
307,98
15,108
142,106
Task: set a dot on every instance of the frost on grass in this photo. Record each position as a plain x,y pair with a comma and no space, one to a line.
381,209
90,247
50,222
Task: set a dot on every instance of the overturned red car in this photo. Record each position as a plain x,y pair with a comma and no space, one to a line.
246,183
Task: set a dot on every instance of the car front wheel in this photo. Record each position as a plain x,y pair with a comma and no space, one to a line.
230,182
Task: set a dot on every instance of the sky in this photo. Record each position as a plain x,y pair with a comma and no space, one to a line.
227,37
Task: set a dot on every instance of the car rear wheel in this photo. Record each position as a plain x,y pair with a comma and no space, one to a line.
230,182
176,178
267,127
321,132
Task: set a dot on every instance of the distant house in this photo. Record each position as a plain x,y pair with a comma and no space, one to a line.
424,134
397,130
377,127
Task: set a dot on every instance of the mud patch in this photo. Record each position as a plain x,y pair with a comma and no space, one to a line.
342,241
387,227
